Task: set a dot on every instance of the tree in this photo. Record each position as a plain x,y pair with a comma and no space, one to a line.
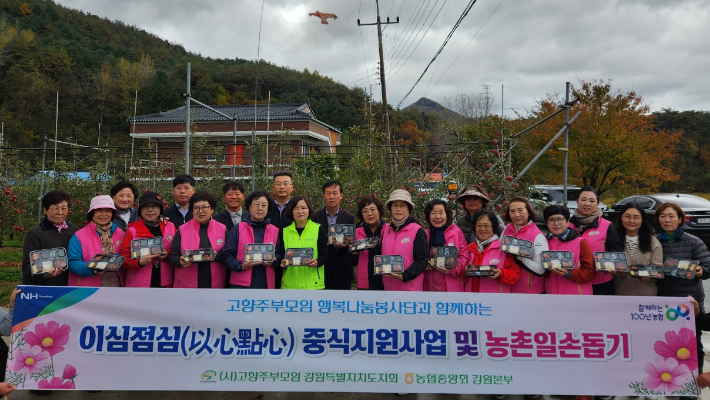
614,145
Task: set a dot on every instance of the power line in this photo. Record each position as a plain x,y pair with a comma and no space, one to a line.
407,28
448,37
464,48
420,39
398,50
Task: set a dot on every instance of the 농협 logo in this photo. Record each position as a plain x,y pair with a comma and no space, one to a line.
681,311
207,376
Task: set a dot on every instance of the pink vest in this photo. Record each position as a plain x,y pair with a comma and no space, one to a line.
559,284
493,256
361,273
435,281
596,239
528,282
401,243
246,236
141,277
91,246
190,240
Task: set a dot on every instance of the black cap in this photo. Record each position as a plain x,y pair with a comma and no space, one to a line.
150,197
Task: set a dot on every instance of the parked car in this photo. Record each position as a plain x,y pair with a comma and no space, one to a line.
541,196
697,211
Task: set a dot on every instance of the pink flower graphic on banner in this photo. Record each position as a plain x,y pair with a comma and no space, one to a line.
29,359
69,372
51,337
55,383
680,346
666,375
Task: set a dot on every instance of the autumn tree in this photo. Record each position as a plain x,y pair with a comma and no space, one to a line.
613,146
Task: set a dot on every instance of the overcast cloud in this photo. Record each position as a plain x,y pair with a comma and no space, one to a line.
657,48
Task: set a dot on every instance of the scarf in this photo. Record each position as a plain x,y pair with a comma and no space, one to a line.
398,224
151,224
124,214
562,236
106,242
632,244
482,245
437,235
583,221
61,226
669,238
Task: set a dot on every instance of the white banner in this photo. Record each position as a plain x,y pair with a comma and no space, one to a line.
351,341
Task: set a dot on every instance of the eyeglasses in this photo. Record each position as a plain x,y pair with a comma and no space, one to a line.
259,205
58,210
281,184
556,221
202,208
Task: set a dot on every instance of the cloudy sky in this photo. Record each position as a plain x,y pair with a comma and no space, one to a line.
658,48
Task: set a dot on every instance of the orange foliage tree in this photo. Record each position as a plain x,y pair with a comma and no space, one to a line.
613,145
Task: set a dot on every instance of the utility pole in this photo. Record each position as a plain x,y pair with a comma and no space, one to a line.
187,123
566,148
385,113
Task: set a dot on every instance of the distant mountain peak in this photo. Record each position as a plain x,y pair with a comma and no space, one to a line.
425,104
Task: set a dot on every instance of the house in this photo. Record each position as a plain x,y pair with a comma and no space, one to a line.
292,125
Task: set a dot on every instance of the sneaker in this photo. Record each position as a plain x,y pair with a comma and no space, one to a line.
498,396
531,396
583,398
603,397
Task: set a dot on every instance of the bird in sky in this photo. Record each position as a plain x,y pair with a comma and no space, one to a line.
323,16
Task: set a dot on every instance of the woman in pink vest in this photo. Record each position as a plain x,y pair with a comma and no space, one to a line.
404,237
599,233
485,250
442,233
152,270
253,229
201,232
564,238
369,211
521,216
99,236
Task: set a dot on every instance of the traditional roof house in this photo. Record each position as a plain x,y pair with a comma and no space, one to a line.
291,124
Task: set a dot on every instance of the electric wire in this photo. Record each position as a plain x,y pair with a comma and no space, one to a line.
462,50
448,37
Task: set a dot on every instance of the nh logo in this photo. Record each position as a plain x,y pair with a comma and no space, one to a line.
29,296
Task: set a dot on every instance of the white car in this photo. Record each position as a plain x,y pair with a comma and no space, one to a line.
541,196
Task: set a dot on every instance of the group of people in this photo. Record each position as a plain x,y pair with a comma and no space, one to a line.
291,222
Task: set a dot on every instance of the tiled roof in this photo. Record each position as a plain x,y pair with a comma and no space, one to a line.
286,111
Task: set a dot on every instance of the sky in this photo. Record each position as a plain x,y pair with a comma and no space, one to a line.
521,50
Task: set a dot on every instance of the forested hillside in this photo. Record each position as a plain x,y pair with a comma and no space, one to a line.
97,66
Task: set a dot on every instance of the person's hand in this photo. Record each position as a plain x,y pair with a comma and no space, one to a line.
7,388
496,274
340,245
184,262
313,263
163,255
13,296
698,271
283,265
443,270
396,276
146,260
559,271
703,380
696,306
250,265
645,279
55,273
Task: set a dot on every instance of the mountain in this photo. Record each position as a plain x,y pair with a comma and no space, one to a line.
97,66
430,106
